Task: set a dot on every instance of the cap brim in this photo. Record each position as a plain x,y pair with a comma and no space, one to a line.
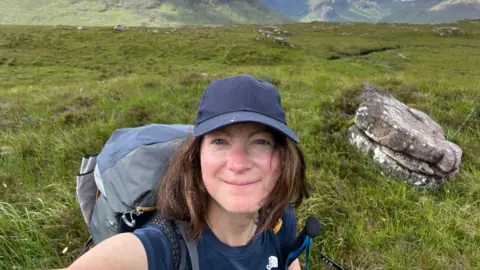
242,116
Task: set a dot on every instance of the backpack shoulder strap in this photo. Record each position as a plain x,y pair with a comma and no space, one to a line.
170,231
191,246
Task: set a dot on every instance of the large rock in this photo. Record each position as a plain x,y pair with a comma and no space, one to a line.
120,28
449,31
403,140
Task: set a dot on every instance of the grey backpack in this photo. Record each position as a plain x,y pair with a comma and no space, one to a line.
115,188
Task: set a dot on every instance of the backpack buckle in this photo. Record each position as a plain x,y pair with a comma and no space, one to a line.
132,222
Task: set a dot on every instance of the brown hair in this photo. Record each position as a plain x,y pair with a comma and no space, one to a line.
183,196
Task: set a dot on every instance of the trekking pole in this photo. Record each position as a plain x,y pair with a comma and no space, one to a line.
328,261
304,241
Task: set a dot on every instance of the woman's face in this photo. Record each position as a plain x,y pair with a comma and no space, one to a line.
240,166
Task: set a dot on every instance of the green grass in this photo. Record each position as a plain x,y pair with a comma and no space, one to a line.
63,92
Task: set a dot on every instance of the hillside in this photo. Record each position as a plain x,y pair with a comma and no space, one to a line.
415,11
136,13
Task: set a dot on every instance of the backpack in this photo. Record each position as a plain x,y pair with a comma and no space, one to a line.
115,188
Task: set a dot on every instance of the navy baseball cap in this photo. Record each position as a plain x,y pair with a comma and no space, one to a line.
241,98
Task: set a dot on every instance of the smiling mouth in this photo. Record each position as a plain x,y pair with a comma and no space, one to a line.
240,184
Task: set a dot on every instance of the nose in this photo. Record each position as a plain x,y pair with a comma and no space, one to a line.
239,160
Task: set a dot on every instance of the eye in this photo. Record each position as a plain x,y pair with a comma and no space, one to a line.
218,141
262,142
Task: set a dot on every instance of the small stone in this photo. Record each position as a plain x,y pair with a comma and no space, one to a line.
5,150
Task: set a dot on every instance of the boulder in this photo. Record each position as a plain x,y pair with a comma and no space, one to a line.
403,140
449,31
265,32
120,28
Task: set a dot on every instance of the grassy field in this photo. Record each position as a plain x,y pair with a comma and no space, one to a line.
63,92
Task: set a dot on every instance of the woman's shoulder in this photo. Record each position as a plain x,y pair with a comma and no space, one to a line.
288,232
289,220
150,232
157,246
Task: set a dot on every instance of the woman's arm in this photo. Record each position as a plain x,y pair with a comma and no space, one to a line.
122,251
295,265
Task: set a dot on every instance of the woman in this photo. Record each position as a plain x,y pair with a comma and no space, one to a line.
230,183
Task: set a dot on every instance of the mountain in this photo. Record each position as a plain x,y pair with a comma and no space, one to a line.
137,12
214,12
404,11
441,11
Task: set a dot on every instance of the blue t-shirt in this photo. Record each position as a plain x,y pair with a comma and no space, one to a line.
261,253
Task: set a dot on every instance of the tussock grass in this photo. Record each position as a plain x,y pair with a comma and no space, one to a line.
63,92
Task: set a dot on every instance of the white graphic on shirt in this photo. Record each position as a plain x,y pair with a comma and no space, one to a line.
272,262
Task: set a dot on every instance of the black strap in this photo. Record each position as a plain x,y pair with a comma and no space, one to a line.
180,243
191,246
183,258
88,245
169,230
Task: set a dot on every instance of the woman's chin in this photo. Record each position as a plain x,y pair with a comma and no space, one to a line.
241,208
